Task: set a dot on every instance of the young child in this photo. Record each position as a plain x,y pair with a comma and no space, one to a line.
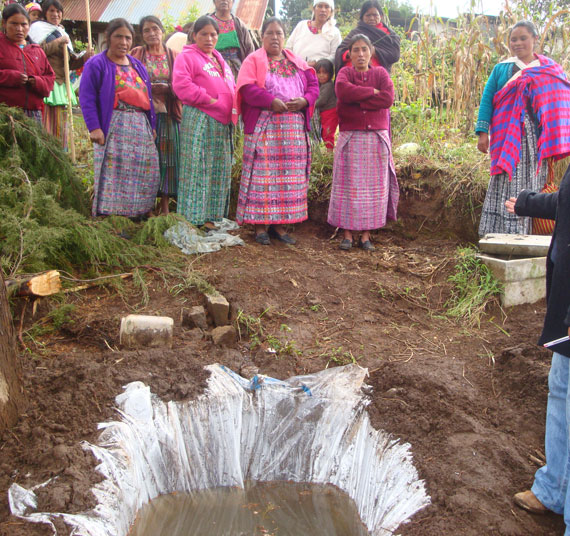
326,103
34,11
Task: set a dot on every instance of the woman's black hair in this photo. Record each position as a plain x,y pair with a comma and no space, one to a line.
114,25
368,5
326,65
204,21
14,9
272,20
153,19
55,3
527,25
360,37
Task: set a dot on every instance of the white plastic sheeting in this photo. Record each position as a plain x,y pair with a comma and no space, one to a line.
307,429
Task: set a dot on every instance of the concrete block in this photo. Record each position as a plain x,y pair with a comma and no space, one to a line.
518,245
524,280
219,310
141,331
224,336
195,317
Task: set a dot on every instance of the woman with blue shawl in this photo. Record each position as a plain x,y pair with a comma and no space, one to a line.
524,119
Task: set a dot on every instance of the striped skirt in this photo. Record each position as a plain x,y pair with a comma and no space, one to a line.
55,113
205,167
126,167
494,216
275,172
168,145
365,189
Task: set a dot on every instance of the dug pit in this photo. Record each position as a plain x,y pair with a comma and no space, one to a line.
308,429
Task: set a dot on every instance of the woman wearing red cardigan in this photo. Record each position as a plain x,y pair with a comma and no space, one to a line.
26,77
365,189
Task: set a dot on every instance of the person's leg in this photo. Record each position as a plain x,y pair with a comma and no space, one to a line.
164,204
551,481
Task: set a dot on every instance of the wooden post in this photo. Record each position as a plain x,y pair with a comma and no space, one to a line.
70,136
12,397
88,19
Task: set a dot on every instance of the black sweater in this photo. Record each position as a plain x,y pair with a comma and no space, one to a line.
555,206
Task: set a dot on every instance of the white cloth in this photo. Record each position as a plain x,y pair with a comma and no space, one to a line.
314,47
41,30
329,2
177,41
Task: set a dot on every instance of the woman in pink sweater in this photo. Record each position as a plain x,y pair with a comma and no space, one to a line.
205,84
365,189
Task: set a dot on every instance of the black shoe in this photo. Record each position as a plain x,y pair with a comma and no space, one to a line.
346,244
263,239
366,245
287,239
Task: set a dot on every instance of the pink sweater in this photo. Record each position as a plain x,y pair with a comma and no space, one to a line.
359,108
196,80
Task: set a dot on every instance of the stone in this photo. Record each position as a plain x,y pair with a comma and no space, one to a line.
408,149
524,280
224,336
142,331
518,245
219,310
195,317
249,371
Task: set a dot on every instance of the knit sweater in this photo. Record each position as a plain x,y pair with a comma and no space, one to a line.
359,108
97,91
314,47
30,60
196,81
327,97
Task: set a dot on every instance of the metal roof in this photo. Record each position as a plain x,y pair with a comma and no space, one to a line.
252,12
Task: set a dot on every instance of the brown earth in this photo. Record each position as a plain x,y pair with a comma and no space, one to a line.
470,400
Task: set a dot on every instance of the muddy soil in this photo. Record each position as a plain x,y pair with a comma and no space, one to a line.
469,399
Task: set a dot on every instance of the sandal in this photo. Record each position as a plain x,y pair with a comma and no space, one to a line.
263,239
346,244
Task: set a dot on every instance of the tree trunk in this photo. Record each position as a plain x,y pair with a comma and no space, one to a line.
12,398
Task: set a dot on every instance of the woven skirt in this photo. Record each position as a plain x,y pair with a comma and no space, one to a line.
126,167
168,145
275,172
494,215
365,189
205,167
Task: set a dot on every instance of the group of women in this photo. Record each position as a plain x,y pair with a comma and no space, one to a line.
162,122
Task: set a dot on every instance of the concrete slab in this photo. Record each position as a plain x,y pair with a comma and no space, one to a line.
518,245
519,292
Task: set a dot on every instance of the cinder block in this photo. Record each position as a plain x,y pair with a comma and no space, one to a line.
141,331
219,309
524,280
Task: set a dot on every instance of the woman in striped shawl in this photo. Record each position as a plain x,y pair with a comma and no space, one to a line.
524,119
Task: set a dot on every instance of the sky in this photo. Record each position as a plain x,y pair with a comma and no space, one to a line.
450,8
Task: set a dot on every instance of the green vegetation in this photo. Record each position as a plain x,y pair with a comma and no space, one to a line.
474,287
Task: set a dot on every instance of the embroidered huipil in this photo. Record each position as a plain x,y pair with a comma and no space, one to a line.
130,89
197,79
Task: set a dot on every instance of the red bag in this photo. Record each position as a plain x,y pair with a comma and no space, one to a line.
541,226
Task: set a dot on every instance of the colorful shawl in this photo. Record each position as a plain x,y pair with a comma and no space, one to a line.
548,91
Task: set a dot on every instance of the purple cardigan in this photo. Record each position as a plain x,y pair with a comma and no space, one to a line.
97,91
256,99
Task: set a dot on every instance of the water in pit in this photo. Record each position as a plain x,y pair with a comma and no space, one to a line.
262,508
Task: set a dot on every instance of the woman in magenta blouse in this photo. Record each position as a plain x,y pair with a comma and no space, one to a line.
365,189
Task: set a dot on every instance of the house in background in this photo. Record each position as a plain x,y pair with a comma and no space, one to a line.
251,12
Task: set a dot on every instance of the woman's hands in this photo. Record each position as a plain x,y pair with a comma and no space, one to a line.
277,105
97,136
510,205
483,143
296,105
160,88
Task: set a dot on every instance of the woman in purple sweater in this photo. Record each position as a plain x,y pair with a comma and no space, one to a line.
116,101
365,189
